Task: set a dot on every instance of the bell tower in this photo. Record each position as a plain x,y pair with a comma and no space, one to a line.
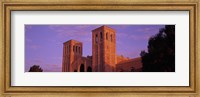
72,51
103,49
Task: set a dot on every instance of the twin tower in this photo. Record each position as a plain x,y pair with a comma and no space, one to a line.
103,57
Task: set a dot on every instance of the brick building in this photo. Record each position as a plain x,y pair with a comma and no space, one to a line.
103,59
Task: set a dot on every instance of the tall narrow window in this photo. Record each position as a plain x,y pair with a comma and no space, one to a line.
96,38
64,49
79,49
74,48
101,35
69,48
110,37
106,36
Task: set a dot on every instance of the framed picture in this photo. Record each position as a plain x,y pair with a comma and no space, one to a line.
124,48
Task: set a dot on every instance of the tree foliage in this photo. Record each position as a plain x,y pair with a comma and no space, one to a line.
161,51
35,68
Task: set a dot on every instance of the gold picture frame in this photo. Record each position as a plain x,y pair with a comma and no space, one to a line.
119,5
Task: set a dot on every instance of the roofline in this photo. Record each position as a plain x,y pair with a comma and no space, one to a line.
71,40
137,58
104,26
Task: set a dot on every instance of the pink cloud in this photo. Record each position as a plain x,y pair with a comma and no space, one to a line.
34,47
38,61
123,26
28,40
66,31
52,68
146,30
122,35
82,27
139,37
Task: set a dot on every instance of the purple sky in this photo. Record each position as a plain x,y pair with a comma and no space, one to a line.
44,43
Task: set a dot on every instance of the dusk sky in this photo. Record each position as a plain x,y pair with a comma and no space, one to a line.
44,43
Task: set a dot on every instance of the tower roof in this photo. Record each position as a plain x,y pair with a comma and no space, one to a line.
104,27
72,40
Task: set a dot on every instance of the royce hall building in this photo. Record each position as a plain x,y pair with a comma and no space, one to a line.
103,59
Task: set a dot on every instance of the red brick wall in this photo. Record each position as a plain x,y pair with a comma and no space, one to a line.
127,65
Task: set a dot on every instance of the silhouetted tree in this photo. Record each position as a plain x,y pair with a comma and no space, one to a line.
89,69
82,68
35,68
161,51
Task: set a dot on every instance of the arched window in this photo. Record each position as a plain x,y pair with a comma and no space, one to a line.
110,37
69,48
89,69
101,35
96,38
66,49
106,36
74,48
79,49
82,68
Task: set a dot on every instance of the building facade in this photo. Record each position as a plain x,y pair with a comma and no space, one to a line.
103,49
103,59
